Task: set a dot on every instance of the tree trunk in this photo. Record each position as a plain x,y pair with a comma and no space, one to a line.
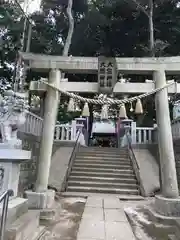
151,30
71,29
28,44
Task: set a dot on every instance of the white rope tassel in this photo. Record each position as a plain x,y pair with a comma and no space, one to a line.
131,109
104,112
77,108
71,105
85,112
122,111
139,107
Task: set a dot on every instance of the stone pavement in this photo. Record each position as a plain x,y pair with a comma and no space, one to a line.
104,219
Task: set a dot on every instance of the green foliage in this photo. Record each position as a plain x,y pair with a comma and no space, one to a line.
10,34
64,116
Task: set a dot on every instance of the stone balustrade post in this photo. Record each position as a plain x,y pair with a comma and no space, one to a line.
133,132
73,130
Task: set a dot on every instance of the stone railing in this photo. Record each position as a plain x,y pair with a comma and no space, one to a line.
33,124
141,135
144,135
68,132
65,132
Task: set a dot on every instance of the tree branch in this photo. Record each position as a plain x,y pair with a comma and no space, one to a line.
71,29
95,4
141,7
151,29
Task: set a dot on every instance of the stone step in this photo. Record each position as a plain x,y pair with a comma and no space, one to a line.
103,149
103,190
106,161
16,208
123,197
102,157
96,161
103,154
92,158
39,233
103,179
102,185
24,227
102,166
99,148
100,169
172,237
102,174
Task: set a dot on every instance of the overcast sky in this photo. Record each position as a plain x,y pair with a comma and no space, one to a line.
33,5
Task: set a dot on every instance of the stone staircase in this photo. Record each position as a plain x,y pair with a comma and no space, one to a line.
22,223
102,170
26,227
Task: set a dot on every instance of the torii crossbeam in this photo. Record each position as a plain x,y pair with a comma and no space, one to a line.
44,63
40,62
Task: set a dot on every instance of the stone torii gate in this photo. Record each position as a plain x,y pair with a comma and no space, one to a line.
158,67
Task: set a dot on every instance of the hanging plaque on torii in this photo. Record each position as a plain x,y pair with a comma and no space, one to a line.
107,74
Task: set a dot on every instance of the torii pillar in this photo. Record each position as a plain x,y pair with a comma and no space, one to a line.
43,198
168,203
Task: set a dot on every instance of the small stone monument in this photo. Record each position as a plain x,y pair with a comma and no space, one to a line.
12,115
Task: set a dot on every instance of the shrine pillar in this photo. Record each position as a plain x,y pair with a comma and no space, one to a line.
165,140
42,197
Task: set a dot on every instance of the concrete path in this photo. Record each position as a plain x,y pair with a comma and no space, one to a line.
104,219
